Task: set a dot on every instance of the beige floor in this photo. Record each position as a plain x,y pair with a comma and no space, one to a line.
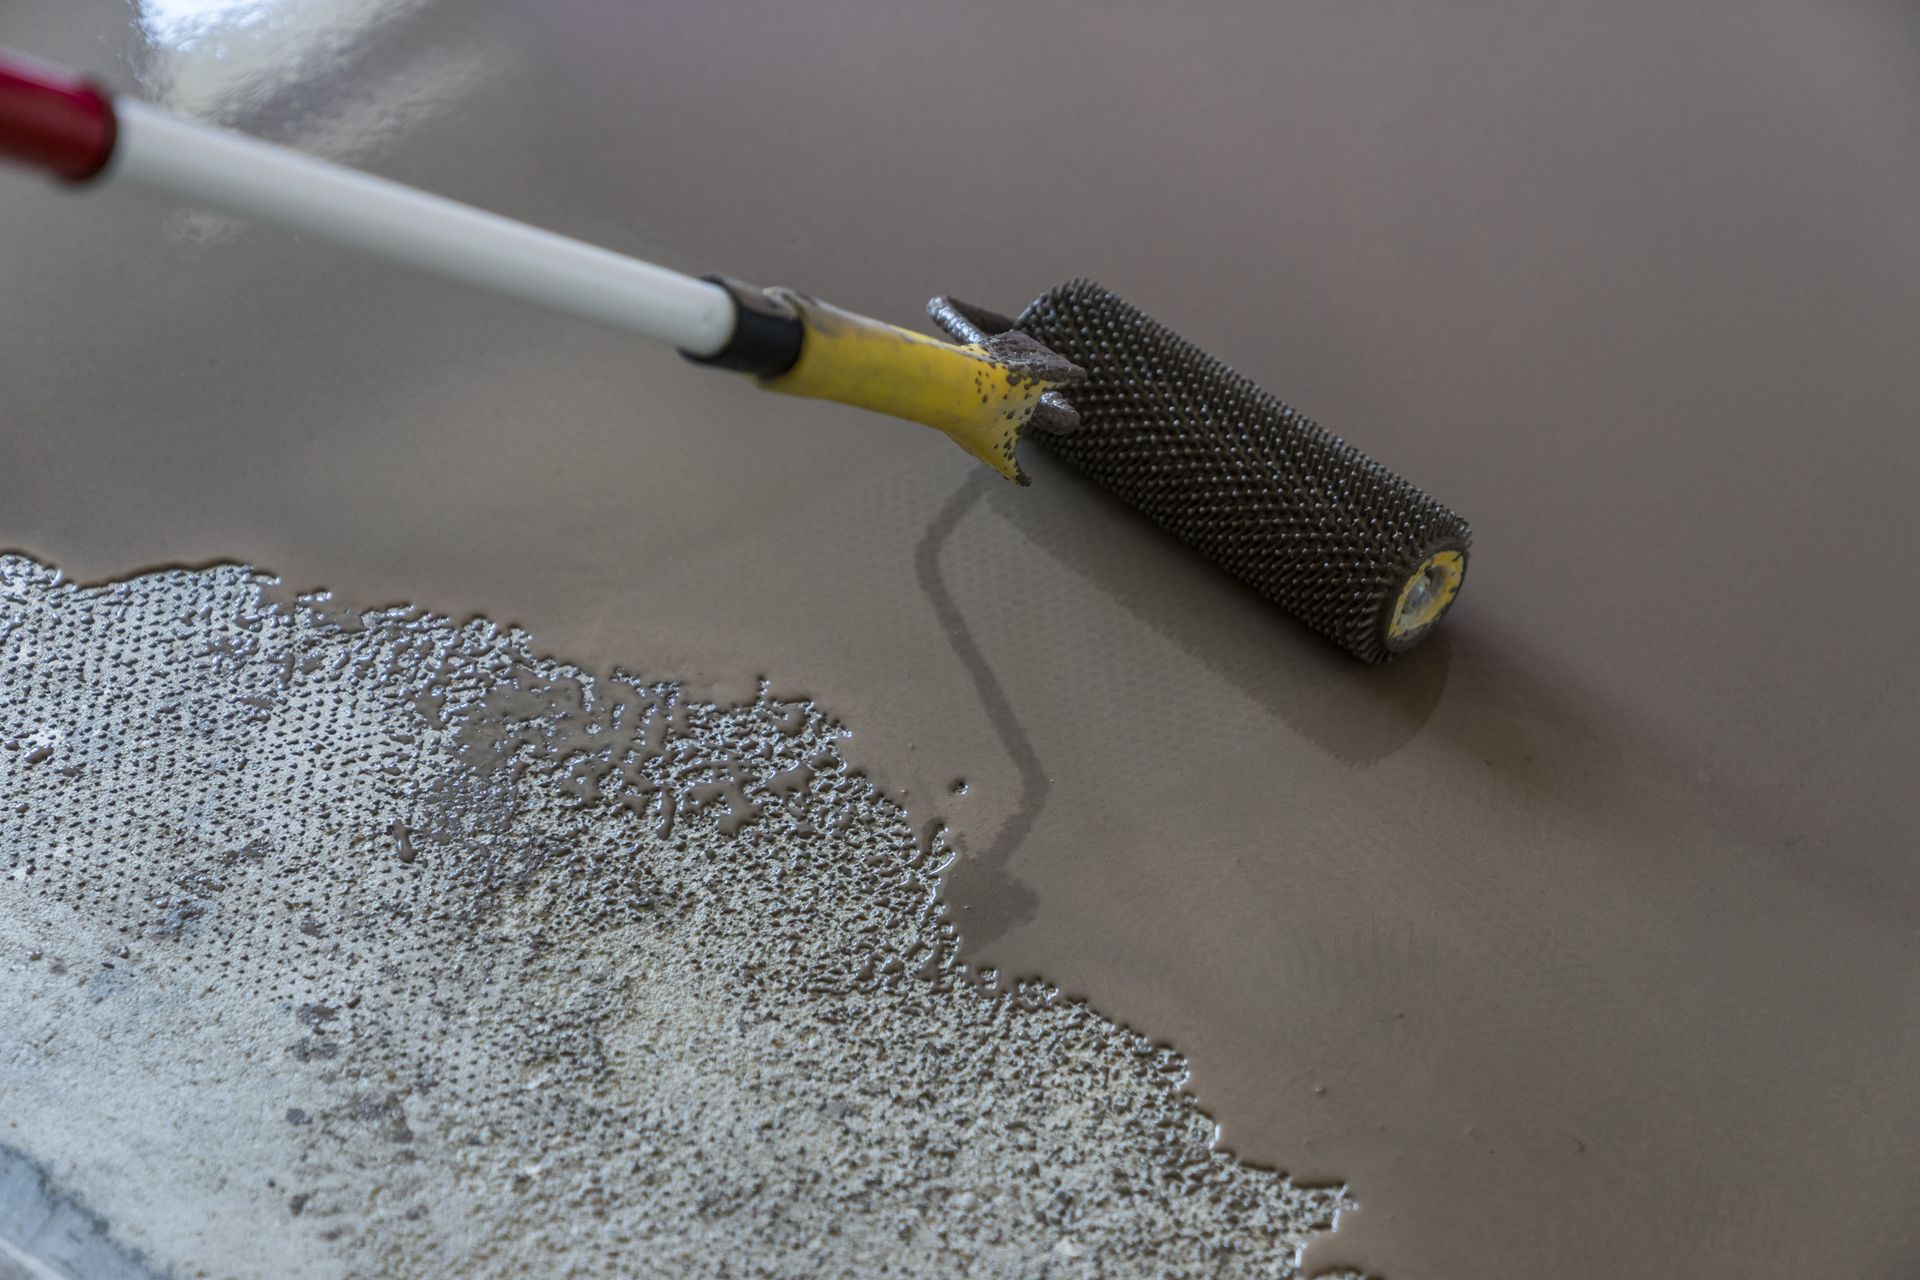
1593,919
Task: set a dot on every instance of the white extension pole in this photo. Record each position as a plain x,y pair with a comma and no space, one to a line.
243,175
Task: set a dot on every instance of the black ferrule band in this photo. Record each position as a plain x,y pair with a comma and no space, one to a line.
766,332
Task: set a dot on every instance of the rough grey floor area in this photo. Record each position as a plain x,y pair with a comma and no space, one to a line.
342,946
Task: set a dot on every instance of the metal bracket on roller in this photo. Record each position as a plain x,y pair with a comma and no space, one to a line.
967,323
1289,508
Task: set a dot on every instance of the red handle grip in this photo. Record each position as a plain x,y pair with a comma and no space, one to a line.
54,123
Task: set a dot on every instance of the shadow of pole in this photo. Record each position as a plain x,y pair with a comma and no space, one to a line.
1001,901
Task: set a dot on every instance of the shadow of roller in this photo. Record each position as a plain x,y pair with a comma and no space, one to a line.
1522,713
1355,712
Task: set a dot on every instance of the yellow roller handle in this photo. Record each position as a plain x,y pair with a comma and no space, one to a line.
980,397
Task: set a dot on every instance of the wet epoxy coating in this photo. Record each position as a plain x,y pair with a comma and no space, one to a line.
1580,941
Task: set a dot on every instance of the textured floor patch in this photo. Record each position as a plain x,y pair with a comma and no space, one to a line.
334,945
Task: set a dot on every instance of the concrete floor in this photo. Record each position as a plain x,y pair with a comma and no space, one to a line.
1593,919
326,949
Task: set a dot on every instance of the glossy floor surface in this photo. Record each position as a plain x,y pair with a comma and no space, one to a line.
1582,941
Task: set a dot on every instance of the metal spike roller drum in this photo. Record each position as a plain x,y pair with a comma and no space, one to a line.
1295,512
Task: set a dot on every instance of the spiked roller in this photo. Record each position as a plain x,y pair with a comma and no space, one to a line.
1295,512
